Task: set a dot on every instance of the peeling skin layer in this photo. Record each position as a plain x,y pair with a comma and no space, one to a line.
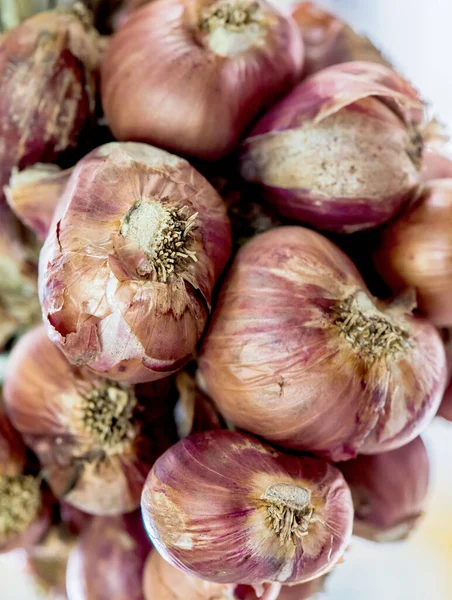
205,510
280,365
354,168
105,303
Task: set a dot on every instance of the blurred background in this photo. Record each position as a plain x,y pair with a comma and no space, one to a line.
415,36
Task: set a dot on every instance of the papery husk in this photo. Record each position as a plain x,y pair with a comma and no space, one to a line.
277,365
33,195
107,562
389,491
99,307
342,151
44,395
203,508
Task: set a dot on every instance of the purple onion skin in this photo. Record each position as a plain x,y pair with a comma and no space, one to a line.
389,491
320,154
107,562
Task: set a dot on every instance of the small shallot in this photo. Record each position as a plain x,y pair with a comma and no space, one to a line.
389,491
300,353
127,271
415,251
96,439
226,508
342,151
190,75
108,560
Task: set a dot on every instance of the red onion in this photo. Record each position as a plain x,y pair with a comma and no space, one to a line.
389,491
96,439
330,41
301,354
190,75
226,508
342,151
108,561
151,237
48,99
415,251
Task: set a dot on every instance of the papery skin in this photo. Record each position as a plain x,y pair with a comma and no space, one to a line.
97,309
203,510
389,491
33,195
415,251
107,562
161,82
436,166
445,409
43,395
277,366
19,303
48,82
342,151
330,41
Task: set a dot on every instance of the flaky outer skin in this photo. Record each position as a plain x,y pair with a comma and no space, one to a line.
48,84
342,151
277,366
97,307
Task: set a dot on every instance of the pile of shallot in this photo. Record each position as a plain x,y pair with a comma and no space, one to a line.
214,379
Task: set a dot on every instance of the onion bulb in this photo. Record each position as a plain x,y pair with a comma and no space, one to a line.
415,251
300,353
226,508
128,268
389,491
33,195
48,84
164,581
342,151
25,508
108,560
190,75
96,439
330,41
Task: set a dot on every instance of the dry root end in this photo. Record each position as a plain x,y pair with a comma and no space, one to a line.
289,511
368,330
107,414
416,149
80,10
20,502
164,234
235,15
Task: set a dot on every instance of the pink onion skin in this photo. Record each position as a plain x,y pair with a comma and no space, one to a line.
203,510
123,325
48,99
33,195
184,96
436,166
341,151
329,41
415,251
44,394
107,562
445,410
389,491
277,365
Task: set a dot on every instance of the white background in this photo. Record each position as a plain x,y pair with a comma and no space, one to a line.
417,36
